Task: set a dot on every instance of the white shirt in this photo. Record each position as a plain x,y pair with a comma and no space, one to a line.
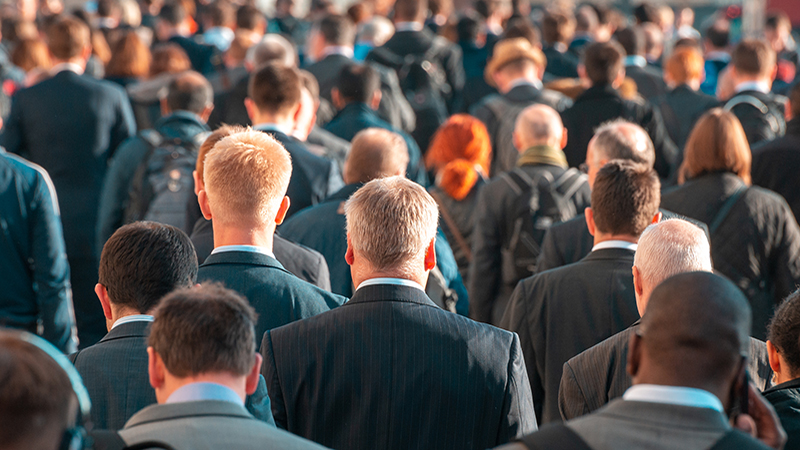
759,86
615,244
395,281
132,318
72,67
337,50
635,60
243,248
267,127
673,395
408,26
523,81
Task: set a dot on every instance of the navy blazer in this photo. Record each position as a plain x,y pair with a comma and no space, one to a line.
390,370
277,296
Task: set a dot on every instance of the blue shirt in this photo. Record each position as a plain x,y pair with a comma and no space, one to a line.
204,391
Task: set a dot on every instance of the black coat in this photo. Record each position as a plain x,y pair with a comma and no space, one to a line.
760,127
681,108
229,106
397,373
757,245
562,312
775,165
560,64
600,104
649,81
785,398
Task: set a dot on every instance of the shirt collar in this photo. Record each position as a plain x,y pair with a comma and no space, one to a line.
758,86
525,82
408,26
72,67
394,281
615,244
132,318
717,55
204,391
243,248
635,60
673,395
267,127
337,50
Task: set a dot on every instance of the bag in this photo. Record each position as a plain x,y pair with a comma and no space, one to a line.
439,292
163,184
773,119
541,202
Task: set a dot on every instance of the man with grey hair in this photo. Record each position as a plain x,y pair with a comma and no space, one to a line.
597,376
509,227
397,371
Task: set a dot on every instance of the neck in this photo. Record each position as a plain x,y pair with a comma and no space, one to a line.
360,273
172,383
118,312
603,237
284,121
78,61
228,235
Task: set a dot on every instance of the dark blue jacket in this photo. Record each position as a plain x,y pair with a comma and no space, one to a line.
359,116
204,58
114,197
33,262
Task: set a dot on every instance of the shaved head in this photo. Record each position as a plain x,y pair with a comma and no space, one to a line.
375,153
619,139
538,125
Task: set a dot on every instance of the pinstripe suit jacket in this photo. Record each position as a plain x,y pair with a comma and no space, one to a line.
598,375
390,370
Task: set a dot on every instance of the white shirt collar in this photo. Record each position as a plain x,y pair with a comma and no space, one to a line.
395,281
635,60
615,244
524,81
759,86
337,50
243,248
408,26
72,67
132,318
717,55
673,395
267,127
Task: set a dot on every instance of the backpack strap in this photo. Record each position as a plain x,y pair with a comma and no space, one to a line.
778,126
726,208
451,225
733,439
577,181
153,139
558,436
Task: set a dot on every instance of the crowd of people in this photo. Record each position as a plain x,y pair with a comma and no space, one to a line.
405,224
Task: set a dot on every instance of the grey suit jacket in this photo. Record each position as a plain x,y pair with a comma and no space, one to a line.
598,375
208,425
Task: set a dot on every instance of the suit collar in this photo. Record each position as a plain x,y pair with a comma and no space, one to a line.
356,109
126,330
672,416
173,411
609,253
390,293
239,257
526,91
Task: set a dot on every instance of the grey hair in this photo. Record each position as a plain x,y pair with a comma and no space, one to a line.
671,247
272,48
620,139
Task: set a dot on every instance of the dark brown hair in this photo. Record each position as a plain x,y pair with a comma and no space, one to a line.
784,331
275,88
31,54
67,37
169,58
625,197
603,61
753,57
717,144
130,58
557,27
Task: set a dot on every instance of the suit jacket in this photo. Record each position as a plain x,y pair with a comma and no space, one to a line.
775,163
208,425
785,398
499,114
757,245
598,375
560,64
398,373
681,108
562,312
229,106
649,81
277,296
322,142
303,262
755,123
204,58
600,104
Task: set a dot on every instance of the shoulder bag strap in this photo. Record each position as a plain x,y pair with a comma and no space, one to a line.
451,224
726,208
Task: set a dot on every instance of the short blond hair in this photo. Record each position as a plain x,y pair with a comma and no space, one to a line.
391,221
246,176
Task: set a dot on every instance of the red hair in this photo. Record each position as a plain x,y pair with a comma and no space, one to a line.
458,151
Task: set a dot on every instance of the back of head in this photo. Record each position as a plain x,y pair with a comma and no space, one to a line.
620,139
645,12
631,39
189,91
173,13
753,57
718,34
375,153
557,26
586,19
625,198
468,27
169,58
37,402
716,144
220,14
310,84
337,30
538,125
67,38
130,57
248,17
459,154
143,261
31,54
603,62
390,222
696,329
203,330
377,30
784,332
357,83
246,175
273,49
685,65
778,19
653,38
671,247
275,89
521,27
410,10
212,139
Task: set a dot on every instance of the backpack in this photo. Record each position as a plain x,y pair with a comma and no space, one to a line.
438,291
541,202
771,117
163,184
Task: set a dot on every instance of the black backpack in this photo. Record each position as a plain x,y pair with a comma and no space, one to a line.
541,202
163,184
770,121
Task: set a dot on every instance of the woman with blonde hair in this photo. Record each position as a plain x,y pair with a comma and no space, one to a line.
755,240
459,156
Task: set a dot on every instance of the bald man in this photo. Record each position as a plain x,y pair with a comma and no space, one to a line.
502,254
687,360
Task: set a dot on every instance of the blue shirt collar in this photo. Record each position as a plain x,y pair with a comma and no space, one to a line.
635,60
204,391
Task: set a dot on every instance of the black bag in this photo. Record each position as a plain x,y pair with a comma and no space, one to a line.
163,182
541,202
770,121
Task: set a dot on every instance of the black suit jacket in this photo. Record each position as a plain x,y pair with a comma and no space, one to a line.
277,296
649,81
229,106
599,375
775,165
562,312
681,108
560,64
785,397
397,373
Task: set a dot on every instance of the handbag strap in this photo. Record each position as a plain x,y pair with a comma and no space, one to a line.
726,208
451,224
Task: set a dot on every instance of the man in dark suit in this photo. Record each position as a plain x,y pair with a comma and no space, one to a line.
449,382
688,362
557,31
783,345
356,97
602,67
318,140
273,104
649,81
597,375
562,312
245,179
173,26
71,125
516,69
761,112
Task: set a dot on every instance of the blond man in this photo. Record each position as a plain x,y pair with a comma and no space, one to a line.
397,371
245,177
